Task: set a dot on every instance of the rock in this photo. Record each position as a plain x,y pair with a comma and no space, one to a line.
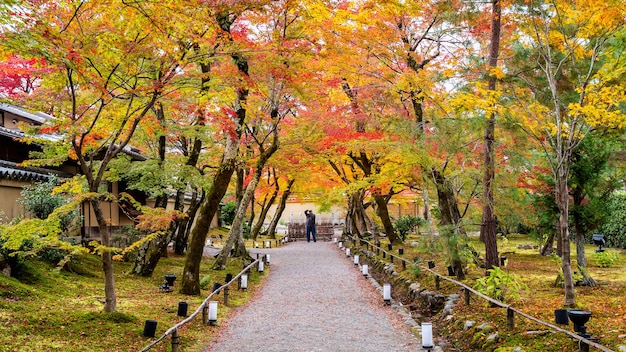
621,348
468,325
485,327
415,288
492,338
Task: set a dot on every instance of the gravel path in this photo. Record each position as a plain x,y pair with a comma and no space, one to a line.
314,299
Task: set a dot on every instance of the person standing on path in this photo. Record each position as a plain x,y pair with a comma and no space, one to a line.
310,225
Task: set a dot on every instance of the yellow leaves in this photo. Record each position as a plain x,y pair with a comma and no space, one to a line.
481,99
497,72
601,107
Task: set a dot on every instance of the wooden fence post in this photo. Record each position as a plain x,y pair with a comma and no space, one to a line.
226,296
467,297
510,319
175,340
205,314
437,281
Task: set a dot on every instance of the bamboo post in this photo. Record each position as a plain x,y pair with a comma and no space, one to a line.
510,319
226,296
467,296
437,281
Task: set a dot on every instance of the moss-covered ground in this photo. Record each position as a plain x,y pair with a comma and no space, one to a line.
56,310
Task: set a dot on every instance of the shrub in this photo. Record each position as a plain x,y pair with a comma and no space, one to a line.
605,259
406,224
500,285
227,214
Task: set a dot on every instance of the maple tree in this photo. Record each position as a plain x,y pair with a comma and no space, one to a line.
107,76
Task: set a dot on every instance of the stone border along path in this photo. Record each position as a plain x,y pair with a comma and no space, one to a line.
315,299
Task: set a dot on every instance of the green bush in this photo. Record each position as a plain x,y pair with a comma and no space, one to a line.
406,224
605,259
227,214
500,285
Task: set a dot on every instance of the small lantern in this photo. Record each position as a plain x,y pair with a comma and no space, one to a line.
261,266
182,309
340,244
427,336
244,281
335,239
356,259
365,269
212,312
387,293
268,244
149,328
347,252
267,259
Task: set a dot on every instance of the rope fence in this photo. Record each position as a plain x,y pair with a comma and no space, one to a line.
511,311
203,308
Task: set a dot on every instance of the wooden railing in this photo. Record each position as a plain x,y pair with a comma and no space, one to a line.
203,308
468,290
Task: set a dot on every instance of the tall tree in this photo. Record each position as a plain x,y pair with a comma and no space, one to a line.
236,116
108,74
488,224
568,43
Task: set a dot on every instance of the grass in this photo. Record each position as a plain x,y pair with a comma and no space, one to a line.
607,301
62,311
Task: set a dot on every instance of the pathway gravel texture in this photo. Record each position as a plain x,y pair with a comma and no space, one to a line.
315,299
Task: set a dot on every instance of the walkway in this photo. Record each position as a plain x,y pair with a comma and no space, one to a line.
314,299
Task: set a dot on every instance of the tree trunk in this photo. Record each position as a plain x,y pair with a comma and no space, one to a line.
488,225
235,233
548,246
191,272
427,215
383,213
182,233
581,260
446,199
450,216
271,230
562,197
110,299
267,203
